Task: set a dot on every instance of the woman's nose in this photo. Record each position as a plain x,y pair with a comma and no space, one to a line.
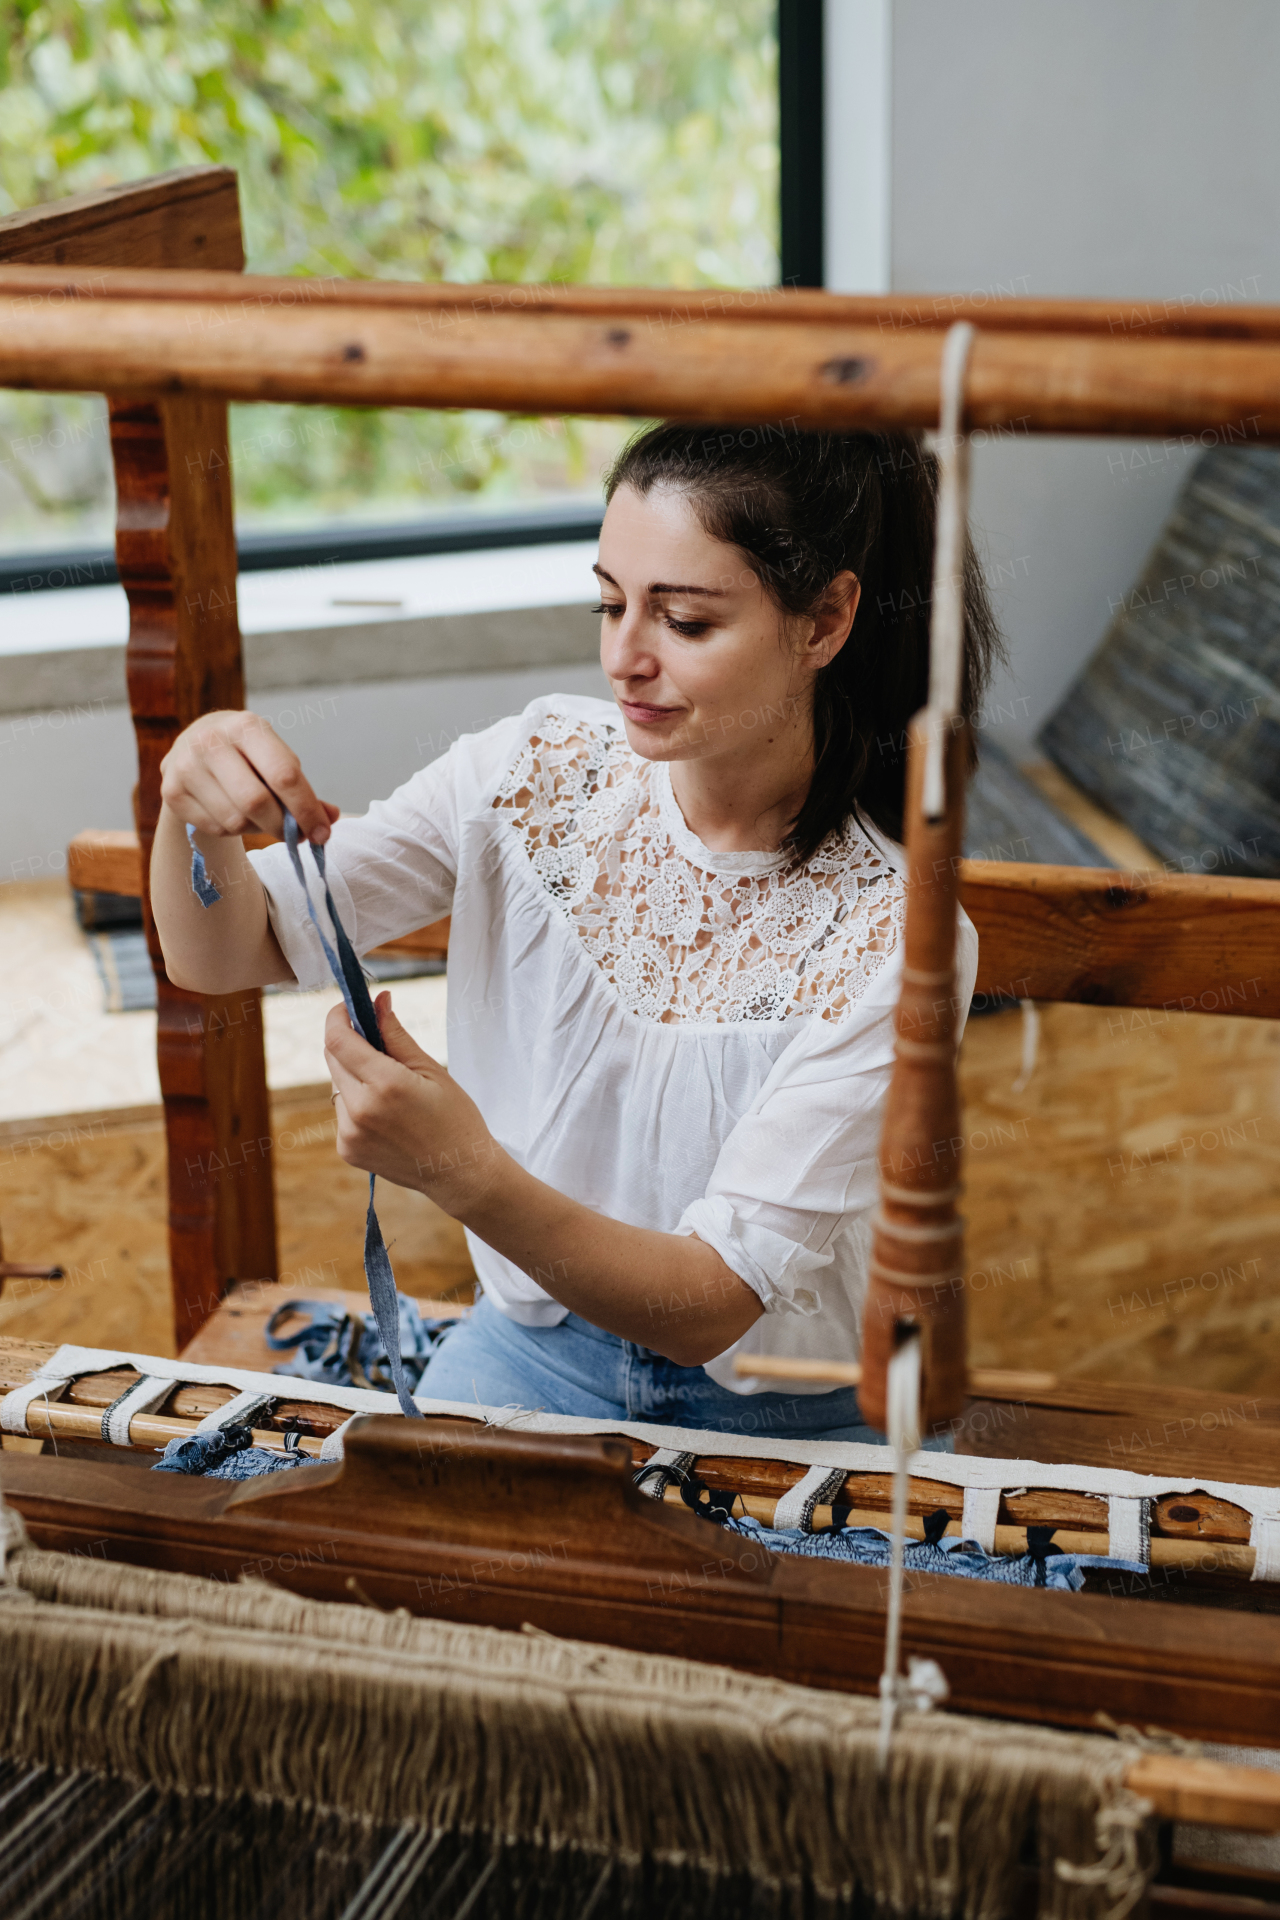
625,653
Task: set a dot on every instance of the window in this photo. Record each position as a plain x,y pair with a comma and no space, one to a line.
611,141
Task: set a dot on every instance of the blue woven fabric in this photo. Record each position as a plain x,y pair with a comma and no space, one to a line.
868,1547
227,1454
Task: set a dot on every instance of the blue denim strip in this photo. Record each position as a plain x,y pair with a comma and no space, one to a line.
201,885
350,981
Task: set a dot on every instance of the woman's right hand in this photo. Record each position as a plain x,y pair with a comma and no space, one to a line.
230,773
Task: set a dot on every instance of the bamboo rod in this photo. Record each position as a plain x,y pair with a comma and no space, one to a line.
750,370
60,1420
1188,1555
1209,1792
988,1383
1118,319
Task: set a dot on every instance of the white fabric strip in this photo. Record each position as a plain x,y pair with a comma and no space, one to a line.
978,1520
956,1470
335,1442
1129,1527
240,1412
1264,1538
143,1397
651,1481
795,1509
48,1383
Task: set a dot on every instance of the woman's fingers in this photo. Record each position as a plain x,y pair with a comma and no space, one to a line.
399,1042
230,771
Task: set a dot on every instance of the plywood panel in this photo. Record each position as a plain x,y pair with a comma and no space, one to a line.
1124,1207
93,1199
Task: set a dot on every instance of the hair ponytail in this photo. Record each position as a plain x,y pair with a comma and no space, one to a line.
803,507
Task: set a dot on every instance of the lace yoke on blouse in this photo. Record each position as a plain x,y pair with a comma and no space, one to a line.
681,933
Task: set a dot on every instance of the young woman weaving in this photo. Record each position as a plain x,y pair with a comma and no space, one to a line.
673,957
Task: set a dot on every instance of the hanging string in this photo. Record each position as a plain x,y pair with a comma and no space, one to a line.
350,981
903,1395
946,628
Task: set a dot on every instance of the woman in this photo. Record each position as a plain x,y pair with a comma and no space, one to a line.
674,950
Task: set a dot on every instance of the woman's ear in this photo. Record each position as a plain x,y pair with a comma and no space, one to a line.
833,622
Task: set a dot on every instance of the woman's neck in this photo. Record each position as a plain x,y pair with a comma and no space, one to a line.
743,803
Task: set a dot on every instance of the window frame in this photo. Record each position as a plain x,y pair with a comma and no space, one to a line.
801,250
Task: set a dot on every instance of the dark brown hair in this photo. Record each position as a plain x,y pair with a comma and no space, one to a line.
802,507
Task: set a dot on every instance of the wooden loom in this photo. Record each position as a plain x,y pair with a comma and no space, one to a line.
86,311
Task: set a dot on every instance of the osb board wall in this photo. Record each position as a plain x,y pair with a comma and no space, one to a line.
90,1197
1123,1208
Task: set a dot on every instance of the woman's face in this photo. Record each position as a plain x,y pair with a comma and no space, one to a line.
701,660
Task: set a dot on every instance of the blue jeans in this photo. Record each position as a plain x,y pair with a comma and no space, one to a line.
575,1368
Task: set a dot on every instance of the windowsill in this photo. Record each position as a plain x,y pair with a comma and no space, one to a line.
337,623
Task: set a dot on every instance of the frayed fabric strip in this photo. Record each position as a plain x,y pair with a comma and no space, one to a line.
144,1396
240,1412
662,1469
201,885
350,980
817,1489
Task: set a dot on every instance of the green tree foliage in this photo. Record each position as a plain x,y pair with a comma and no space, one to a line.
613,141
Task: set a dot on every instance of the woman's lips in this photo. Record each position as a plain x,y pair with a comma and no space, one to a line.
646,716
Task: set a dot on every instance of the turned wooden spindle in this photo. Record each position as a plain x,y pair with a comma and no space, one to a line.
917,1255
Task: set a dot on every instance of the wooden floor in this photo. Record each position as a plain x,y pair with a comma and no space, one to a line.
1124,1208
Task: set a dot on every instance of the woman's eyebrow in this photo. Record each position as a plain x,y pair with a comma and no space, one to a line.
663,586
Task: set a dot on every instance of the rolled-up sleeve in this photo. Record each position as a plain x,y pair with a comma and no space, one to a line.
801,1165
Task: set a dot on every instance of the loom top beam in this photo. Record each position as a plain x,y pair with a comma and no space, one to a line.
1132,320
810,374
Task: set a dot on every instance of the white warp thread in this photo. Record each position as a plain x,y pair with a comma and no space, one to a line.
978,1520
1129,1529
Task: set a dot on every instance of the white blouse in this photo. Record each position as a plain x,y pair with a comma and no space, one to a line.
687,1040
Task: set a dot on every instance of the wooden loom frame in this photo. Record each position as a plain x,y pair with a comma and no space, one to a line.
81,300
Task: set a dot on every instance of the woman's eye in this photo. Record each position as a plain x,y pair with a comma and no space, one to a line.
687,629
612,608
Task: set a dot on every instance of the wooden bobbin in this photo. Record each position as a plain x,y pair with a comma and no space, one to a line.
917,1264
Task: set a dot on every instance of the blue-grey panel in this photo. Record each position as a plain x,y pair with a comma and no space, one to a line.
1174,725
1007,818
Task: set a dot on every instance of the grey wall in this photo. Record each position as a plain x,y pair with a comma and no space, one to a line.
1110,148
74,767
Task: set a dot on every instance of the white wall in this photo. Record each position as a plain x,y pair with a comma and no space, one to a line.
1111,148
73,768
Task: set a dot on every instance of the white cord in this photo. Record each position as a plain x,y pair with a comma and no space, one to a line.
946,630
1030,1043
903,1395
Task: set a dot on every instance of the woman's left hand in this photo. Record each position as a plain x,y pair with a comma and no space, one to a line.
401,1116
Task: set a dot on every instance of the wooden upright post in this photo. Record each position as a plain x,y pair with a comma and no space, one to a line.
175,547
917,1252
